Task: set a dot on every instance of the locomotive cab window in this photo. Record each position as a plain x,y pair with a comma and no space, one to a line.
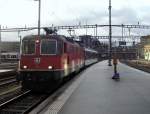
65,47
28,47
49,47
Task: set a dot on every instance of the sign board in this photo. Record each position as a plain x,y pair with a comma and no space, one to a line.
122,43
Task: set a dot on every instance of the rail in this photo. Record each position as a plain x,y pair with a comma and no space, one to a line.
8,80
22,104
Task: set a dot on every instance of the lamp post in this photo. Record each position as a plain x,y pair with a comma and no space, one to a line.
110,35
39,16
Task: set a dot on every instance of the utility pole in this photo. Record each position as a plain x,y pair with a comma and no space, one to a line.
96,30
0,45
86,28
122,33
19,36
39,19
39,16
110,35
138,51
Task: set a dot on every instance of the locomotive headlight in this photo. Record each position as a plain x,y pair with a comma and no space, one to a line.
25,67
65,66
66,72
37,41
50,67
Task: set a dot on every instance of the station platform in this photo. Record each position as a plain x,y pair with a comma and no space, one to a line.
99,94
6,70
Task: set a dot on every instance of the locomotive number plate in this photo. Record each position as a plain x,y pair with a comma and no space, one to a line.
37,60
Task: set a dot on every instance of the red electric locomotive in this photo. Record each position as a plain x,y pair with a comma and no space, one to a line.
47,59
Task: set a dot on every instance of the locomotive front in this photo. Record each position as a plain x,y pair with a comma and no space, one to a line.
42,62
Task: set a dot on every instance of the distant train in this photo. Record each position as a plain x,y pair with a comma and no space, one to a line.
47,59
9,57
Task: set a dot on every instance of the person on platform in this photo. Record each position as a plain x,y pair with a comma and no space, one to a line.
115,62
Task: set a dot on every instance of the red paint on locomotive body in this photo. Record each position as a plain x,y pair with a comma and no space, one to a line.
49,58
71,54
40,63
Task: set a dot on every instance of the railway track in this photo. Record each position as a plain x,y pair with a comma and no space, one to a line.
6,75
7,80
8,84
8,87
33,103
26,102
9,94
22,104
140,66
8,65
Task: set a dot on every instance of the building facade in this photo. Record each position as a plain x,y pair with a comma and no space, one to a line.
9,51
144,48
9,46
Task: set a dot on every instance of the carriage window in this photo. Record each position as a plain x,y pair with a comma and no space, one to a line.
28,47
48,47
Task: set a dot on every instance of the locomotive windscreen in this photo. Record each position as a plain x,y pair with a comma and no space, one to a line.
28,47
48,47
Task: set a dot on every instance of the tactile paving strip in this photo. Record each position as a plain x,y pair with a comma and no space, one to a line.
56,106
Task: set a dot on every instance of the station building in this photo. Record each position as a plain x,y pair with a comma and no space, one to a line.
10,46
9,51
144,48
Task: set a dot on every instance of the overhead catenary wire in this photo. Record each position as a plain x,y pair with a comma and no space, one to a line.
73,27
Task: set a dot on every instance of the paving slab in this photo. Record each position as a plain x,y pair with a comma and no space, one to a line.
99,94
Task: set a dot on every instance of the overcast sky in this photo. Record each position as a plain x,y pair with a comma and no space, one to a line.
18,13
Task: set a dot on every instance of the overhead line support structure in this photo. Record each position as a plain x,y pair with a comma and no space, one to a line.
74,27
110,36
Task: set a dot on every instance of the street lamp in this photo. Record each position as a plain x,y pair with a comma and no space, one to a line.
110,35
39,16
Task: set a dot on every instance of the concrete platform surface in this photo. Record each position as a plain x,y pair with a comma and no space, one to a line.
5,70
99,94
